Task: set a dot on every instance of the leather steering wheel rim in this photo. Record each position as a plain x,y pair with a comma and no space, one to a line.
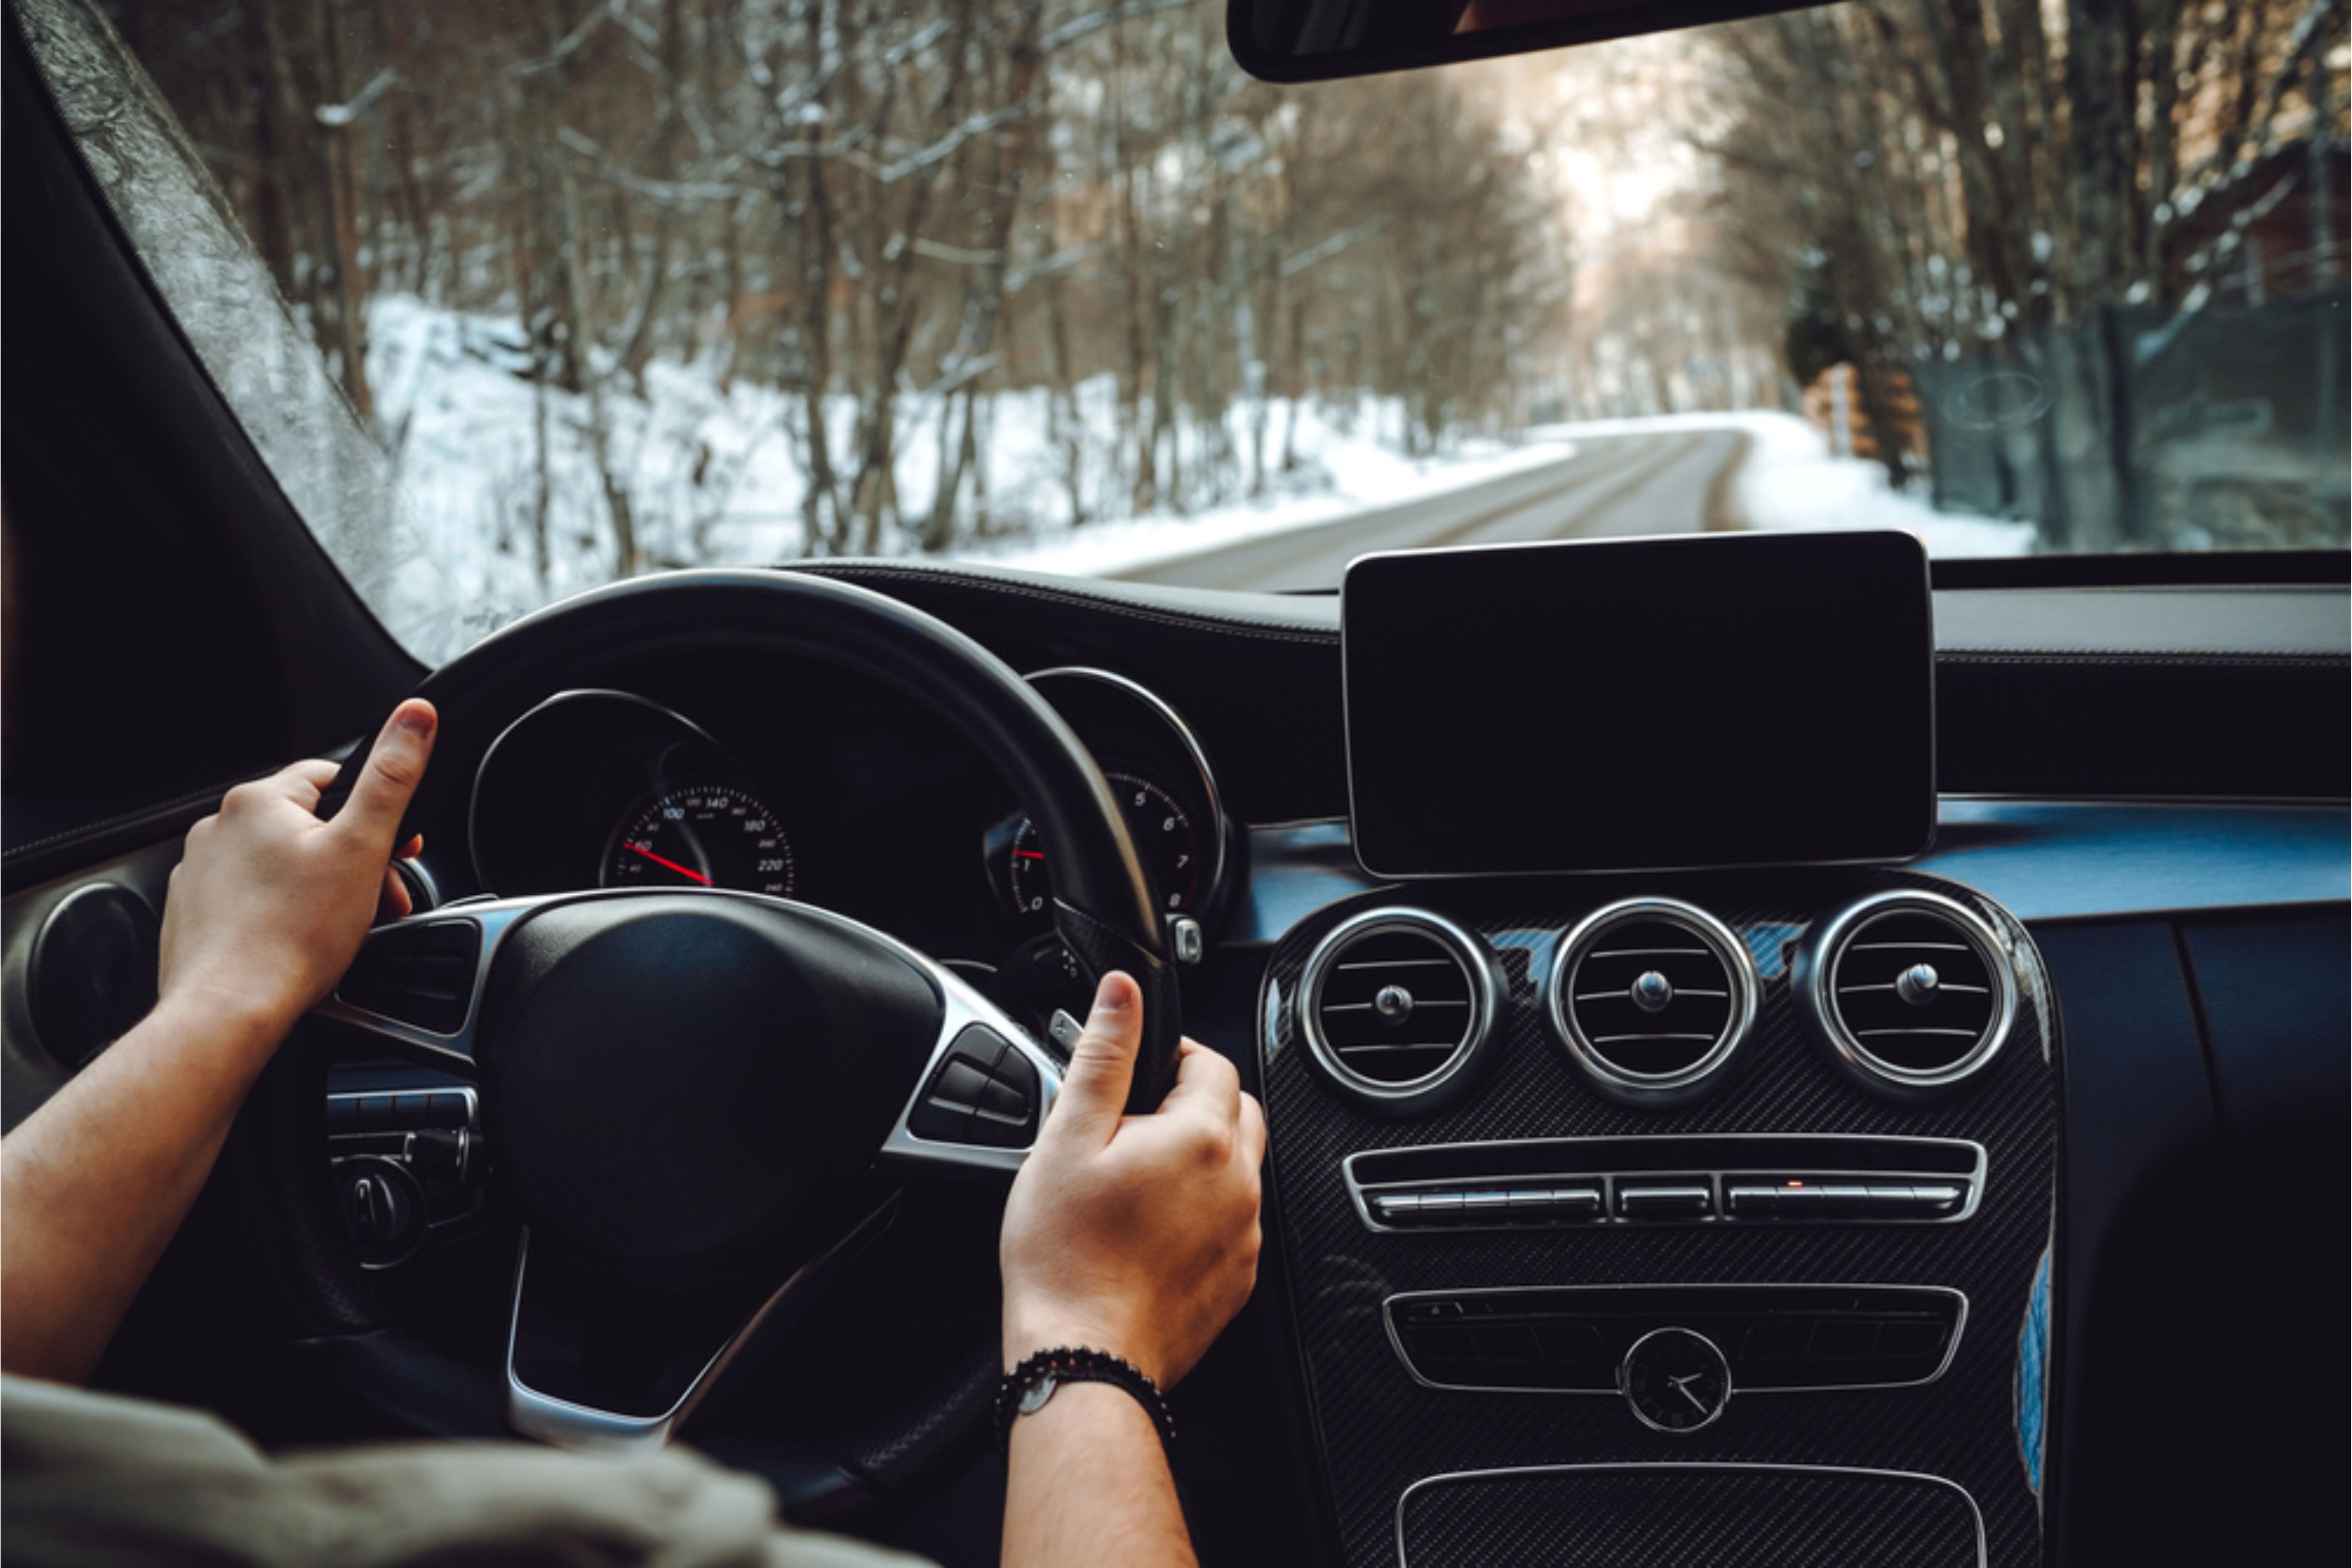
1104,912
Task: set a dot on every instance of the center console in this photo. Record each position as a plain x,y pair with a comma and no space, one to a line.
1778,1254
1701,1214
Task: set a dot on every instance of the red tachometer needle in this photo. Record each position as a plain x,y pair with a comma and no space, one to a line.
681,870
1029,854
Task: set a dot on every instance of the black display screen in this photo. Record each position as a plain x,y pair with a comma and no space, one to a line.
1720,699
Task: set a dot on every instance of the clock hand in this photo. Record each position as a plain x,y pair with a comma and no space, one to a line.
1681,1386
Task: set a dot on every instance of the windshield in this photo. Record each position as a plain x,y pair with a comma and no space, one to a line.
610,286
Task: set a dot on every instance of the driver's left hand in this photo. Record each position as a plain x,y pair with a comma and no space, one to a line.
268,904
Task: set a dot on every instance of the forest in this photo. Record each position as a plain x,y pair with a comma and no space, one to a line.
892,214
2066,245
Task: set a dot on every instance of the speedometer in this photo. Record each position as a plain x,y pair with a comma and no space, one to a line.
1163,834
706,836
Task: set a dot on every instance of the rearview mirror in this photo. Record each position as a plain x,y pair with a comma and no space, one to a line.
1310,40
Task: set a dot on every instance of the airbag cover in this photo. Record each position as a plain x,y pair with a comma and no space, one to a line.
675,1083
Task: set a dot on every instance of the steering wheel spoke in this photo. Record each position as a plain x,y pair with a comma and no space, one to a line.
691,1094
594,1364
417,984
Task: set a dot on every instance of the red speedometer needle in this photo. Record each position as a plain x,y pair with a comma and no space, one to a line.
1029,854
658,861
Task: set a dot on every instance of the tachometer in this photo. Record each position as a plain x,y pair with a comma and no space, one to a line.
1163,835
706,836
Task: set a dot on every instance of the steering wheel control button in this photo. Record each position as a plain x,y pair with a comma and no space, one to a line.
984,1092
420,974
1675,1380
1663,1201
383,1207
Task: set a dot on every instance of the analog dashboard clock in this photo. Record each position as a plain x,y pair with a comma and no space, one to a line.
1676,1381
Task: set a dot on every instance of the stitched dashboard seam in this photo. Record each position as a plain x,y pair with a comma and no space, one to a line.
1186,620
87,831
2134,659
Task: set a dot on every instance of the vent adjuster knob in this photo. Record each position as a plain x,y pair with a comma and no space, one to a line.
1652,992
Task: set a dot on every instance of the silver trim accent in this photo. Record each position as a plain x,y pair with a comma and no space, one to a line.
960,1005
1396,1343
1651,1089
336,1166
1569,1175
1812,976
494,918
566,1425
1508,1471
1466,950
1625,1375
967,1007
1185,941
20,976
473,1106
1221,828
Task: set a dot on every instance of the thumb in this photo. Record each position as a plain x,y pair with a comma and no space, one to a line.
395,765
1102,1063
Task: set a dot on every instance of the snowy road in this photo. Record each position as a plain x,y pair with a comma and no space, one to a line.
1669,483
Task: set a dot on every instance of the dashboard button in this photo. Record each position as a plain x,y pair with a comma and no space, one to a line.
1576,1202
1747,1202
1679,1201
1842,1199
1440,1206
1397,1208
1936,1200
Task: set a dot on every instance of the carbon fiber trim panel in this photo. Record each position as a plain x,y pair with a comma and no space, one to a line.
1687,1516
1379,1433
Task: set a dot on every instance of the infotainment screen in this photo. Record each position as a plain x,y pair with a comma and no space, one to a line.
1715,700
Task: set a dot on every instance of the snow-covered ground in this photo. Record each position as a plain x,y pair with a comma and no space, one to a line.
1363,474
713,476
1789,480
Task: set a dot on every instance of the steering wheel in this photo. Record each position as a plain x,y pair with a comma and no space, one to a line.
697,1102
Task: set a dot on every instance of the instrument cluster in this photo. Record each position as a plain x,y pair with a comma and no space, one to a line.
861,809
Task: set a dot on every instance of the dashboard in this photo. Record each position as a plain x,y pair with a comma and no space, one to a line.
1605,1218
825,787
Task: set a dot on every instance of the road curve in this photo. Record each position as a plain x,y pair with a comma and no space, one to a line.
1676,482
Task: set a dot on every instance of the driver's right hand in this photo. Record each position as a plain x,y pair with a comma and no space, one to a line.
1136,1234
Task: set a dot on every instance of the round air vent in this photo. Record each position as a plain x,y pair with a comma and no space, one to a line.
1652,996
1911,991
1397,1006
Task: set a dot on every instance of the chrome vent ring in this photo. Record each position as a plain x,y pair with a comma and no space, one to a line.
1912,992
1397,1005
1651,998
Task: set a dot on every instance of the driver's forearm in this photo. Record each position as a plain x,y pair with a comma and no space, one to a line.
1090,1485
94,1184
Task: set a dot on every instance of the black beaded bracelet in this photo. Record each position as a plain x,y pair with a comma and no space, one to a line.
1027,1386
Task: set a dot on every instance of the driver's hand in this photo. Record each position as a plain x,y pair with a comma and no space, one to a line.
268,904
1136,1234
